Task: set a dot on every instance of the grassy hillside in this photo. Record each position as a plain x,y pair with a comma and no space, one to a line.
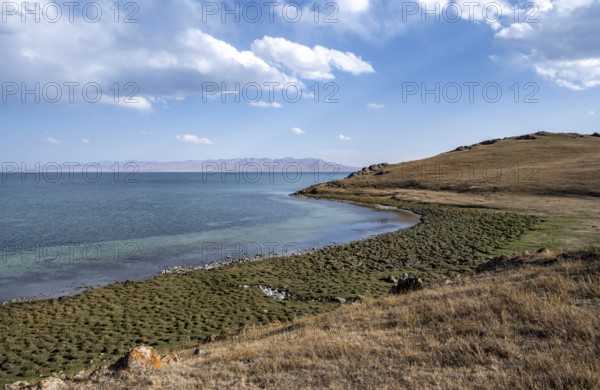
554,175
520,322
540,164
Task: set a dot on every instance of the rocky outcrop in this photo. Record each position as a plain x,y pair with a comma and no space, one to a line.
279,295
373,169
490,141
527,137
408,284
462,148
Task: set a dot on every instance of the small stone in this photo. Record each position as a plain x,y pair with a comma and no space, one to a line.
545,252
212,338
80,375
339,300
96,375
391,279
17,385
197,352
51,383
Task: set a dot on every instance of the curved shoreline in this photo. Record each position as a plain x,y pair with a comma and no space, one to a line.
182,269
174,312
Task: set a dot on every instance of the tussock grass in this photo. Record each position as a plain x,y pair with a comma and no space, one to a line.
526,322
178,311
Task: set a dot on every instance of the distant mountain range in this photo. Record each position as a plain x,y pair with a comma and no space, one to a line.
230,165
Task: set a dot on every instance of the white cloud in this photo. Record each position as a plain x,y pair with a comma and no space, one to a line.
373,20
315,63
559,42
207,55
592,112
577,75
353,6
262,104
86,141
375,106
343,138
135,102
51,140
298,131
194,139
490,12
515,31
29,54
167,62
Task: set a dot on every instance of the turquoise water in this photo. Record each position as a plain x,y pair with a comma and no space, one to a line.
59,235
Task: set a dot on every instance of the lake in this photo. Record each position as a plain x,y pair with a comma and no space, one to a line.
59,235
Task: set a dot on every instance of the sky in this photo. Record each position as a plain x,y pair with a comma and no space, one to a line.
352,81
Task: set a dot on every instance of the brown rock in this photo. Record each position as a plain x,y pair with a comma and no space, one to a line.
143,357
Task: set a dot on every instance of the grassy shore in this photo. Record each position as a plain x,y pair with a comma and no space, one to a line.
524,322
177,311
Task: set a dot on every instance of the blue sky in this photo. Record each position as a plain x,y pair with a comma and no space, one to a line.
373,59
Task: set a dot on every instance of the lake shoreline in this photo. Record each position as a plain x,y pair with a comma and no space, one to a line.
183,269
177,311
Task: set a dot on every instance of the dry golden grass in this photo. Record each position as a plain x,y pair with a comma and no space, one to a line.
549,174
540,164
521,322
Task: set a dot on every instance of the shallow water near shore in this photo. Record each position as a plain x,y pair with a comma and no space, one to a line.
59,237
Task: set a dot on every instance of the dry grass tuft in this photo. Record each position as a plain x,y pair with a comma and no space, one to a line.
522,322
